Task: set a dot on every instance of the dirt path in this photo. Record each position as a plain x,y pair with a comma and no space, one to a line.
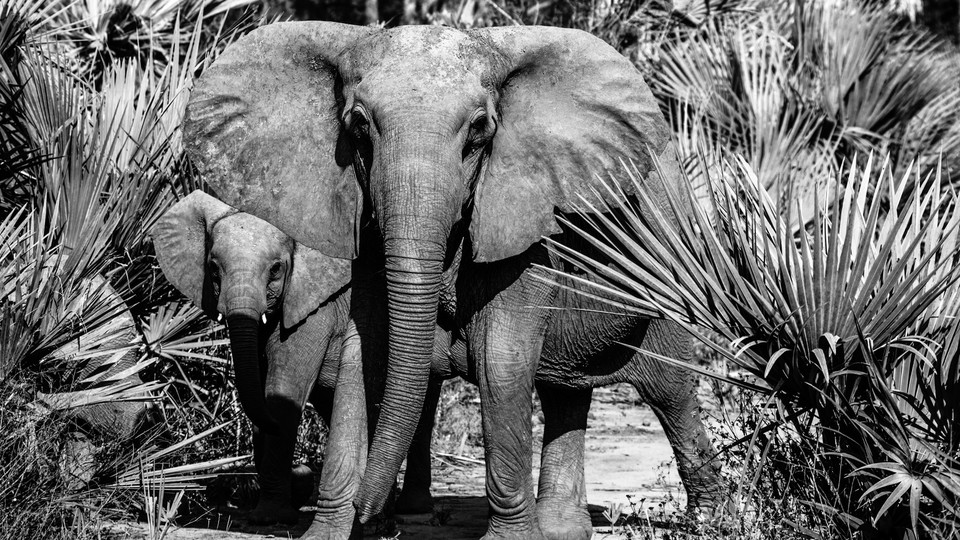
627,454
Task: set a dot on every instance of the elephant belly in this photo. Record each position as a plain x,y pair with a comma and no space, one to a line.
581,349
450,356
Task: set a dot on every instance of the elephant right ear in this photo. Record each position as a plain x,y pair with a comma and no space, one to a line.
180,240
262,127
571,107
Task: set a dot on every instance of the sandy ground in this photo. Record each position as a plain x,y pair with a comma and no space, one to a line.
627,453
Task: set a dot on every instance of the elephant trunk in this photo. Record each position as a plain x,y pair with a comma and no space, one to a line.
244,326
415,227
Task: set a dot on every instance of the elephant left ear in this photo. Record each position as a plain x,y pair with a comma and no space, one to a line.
571,107
313,280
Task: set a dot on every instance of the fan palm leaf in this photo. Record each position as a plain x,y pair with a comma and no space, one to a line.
825,320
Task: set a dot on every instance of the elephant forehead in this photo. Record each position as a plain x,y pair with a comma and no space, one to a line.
249,233
419,57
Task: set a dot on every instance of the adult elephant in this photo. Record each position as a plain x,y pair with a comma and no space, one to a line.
461,145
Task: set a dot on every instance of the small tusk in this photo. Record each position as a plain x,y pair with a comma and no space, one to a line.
264,318
219,317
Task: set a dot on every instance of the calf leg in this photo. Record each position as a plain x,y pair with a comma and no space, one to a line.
345,454
289,381
273,455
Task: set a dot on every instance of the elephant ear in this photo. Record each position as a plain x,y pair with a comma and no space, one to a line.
315,277
262,126
180,238
570,108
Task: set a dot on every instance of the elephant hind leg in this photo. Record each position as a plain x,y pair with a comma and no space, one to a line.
671,392
562,497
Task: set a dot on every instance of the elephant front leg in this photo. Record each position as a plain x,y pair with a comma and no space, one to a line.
415,496
506,357
346,450
562,497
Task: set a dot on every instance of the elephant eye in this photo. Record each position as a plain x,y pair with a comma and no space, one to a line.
276,271
214,271
482,129
479,124
356,122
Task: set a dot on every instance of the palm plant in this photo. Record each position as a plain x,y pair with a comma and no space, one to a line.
837,324
798,92
96,34
18,23
95,159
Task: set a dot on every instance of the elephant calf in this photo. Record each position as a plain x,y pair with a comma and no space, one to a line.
288,312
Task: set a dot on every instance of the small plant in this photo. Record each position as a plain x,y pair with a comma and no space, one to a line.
160,515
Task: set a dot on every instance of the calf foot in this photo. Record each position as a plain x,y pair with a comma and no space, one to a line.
561,520
301,485
269,512
414,501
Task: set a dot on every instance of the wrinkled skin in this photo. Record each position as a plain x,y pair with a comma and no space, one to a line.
250,274
461,146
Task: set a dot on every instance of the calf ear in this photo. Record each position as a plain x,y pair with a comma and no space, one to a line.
181,240
313,280
262,126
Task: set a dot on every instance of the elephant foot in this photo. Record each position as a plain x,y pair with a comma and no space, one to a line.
334,527
712,504
301,485
414,501
560,520
498,529
270,512
332,534
514,535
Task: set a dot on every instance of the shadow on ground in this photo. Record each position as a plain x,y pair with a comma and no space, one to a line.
628,462
455,518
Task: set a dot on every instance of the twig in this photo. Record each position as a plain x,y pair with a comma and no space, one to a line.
449,463
504,13
460,458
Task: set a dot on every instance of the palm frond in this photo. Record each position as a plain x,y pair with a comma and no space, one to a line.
825,320
149,471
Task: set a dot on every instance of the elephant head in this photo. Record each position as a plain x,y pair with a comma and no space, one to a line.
238,266
448,135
